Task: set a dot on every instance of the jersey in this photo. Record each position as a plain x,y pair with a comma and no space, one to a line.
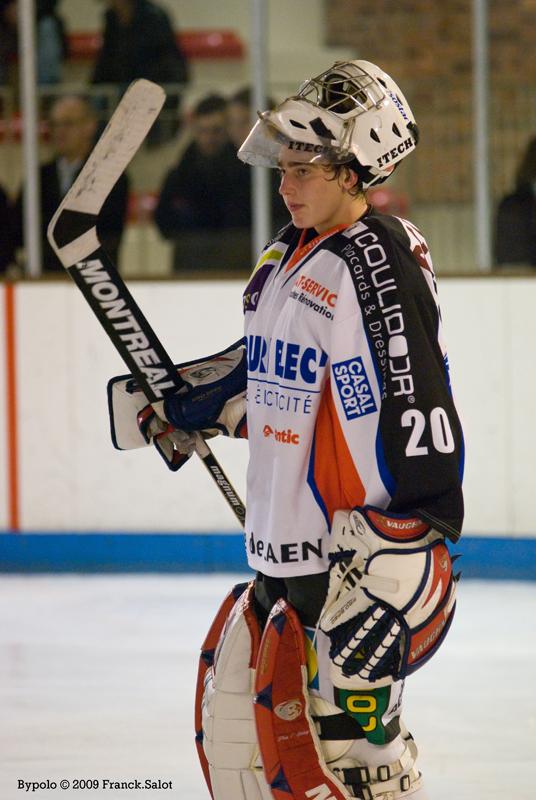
349,400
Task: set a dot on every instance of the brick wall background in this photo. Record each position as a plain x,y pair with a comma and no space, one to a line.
426,46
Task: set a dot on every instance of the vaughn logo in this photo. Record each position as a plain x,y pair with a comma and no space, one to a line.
122,319
354,388
398,527
285,437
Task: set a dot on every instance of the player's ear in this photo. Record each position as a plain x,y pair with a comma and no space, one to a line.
348,179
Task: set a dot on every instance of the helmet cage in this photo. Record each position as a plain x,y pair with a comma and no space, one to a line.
343,91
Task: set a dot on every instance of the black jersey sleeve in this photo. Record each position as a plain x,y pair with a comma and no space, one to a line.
419,434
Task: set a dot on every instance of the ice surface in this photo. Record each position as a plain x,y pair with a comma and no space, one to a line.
97,679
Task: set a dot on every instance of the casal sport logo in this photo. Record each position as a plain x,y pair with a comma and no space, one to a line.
354,388
285,437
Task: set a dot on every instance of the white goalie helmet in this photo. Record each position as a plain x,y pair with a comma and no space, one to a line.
351,112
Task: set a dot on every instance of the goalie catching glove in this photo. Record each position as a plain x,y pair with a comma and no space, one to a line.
212,401
391,596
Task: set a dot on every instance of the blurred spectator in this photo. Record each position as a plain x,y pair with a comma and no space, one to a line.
199,206
239,121
73,124
515,241
8,37
7,248
239,124
205,202
139,42
196,192
51,42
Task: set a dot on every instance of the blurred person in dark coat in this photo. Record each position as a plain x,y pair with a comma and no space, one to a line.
200,207
239,123
139,42
515,241
196,192
73,126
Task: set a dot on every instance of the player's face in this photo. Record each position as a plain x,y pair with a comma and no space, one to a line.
313,196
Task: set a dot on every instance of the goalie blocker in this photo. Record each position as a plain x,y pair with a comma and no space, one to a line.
212,400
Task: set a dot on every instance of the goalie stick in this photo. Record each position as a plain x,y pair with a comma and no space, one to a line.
73,236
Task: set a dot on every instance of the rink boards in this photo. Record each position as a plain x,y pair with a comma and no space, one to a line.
81,504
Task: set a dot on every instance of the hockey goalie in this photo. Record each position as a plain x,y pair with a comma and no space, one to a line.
341,385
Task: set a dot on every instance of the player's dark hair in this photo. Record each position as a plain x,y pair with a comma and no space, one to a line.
338,171
210,104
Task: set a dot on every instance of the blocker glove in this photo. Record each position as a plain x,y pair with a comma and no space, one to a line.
212,400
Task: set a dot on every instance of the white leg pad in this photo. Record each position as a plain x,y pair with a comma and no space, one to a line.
229,734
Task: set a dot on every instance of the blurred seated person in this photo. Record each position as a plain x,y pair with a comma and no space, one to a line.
199,208
7,248
73,125
515,236
139,42
239,124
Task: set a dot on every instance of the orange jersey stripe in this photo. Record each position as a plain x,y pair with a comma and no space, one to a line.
335,474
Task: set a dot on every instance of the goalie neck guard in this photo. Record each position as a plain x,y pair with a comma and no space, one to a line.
353,113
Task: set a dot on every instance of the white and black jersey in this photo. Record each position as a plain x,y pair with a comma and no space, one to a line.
349,397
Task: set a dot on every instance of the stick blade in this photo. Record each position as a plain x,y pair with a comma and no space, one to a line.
71,232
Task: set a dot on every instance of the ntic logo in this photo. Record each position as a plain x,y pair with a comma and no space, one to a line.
285,437
354,388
